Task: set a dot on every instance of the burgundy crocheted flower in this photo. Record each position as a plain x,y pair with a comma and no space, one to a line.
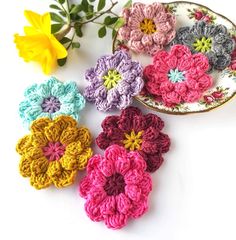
148,27
136,131
116,187
177,76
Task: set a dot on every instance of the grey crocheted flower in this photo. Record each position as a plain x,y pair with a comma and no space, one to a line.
212,40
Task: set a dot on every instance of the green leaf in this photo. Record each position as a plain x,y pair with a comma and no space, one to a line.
53,6
128,4
90,12
102,32
110,20
56,18
101,4
75,45
62,13
107,20
92,0
76,9
61,62
61,1
56,27
65,40
85,5
119,23
78,30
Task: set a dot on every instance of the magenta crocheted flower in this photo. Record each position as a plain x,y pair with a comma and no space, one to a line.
116,187
136,131
114,81
148,27
177,76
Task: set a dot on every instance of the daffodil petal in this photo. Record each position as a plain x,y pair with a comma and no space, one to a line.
58,48
41,23
48,61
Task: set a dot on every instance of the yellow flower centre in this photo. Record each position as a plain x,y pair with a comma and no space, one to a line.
148,26
203,44
133,141
111,79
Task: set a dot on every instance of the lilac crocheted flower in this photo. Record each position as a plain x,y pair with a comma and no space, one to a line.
114,81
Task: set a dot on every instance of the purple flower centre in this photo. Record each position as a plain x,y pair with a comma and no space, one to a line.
114,185
51,104
54,151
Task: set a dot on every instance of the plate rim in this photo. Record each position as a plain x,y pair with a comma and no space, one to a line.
192,112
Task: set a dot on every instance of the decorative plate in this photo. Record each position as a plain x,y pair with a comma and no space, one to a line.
224,87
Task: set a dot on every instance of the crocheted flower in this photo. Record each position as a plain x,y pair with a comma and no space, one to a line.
210,39
177,76
114,81
138,132
148,27
54,151
116,187
51,99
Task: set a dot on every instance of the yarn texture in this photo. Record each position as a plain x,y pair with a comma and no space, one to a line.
51,99
177,76
116,187
114,81
210,39
148,27
136,132
54,151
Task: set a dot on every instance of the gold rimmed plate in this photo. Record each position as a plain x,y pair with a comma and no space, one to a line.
224,87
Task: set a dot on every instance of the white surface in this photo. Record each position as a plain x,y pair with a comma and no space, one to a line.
194,192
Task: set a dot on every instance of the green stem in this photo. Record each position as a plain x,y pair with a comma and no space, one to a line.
59,35
71,41
102,24
68,10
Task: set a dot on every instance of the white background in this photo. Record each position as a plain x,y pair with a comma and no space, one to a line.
194,193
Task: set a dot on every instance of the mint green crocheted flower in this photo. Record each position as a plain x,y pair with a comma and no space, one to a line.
51,99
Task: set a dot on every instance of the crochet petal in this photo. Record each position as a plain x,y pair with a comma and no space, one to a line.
139,208
153,120
84,187
133,192
40,181
39,166
116,221
66,178
23,144
108,206
93,163
123,203
54,168
103,140
39,125
69,135
133,177
84,136
24,166
110,122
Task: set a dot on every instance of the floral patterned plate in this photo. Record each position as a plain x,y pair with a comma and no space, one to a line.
224,87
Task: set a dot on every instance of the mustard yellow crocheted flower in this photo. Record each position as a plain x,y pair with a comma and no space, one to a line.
54,151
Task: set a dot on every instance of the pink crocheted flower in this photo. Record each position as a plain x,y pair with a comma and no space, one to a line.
148,27
177,76
116,187
138,132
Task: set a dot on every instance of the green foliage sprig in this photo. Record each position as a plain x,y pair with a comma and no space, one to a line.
68,17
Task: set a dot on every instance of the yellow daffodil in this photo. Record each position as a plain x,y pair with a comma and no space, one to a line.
39,44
